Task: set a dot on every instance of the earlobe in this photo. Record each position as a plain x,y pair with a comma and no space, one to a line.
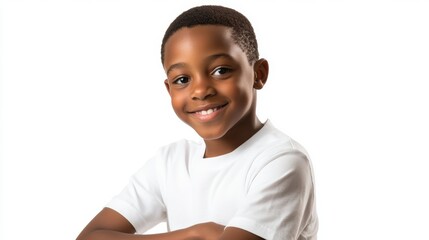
261,70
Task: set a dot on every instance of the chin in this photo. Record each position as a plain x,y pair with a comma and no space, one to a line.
210,135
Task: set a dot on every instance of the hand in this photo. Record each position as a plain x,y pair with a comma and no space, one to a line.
206,231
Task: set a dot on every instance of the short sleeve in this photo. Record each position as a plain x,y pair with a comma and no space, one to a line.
140,202
280,200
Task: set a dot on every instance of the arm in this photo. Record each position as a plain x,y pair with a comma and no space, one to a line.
110,225
233,233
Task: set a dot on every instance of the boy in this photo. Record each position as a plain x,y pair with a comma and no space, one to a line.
247,180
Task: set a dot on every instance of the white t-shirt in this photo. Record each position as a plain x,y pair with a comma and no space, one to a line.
265,186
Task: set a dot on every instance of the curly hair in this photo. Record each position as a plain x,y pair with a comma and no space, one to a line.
242,30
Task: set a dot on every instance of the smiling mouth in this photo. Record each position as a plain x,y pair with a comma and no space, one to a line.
210,110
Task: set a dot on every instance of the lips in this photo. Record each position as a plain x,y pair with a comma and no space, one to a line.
208,110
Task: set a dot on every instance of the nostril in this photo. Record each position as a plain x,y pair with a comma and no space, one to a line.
202,93
203,97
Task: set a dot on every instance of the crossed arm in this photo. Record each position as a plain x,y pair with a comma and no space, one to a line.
110,225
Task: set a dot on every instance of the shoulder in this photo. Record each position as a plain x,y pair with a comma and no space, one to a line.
169,161
273,142
276,148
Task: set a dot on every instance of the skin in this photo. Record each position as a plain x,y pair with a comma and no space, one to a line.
205,70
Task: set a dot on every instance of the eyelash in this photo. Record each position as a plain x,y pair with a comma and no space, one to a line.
226,70
176,81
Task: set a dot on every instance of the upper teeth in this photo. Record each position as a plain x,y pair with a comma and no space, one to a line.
204,112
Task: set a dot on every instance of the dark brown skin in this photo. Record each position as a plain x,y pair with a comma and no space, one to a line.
110,225
205,70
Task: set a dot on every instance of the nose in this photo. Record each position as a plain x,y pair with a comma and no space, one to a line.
202,88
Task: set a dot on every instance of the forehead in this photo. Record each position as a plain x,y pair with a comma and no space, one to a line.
200,41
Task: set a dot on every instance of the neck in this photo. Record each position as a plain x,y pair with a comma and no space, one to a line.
236,136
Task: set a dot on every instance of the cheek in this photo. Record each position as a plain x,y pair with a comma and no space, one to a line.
240,92
177,101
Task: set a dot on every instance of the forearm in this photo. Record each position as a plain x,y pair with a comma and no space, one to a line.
204,231
183,234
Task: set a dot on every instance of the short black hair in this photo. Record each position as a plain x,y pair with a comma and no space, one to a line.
242,30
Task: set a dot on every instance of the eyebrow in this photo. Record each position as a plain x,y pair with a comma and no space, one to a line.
174,66
209,59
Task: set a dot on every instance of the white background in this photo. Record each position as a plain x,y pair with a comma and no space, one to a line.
83,106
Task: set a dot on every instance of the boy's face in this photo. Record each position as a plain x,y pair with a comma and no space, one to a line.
210,80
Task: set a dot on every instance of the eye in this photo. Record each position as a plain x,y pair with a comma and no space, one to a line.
221,71
181,80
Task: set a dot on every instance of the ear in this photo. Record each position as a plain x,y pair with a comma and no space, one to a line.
260,68
167,86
